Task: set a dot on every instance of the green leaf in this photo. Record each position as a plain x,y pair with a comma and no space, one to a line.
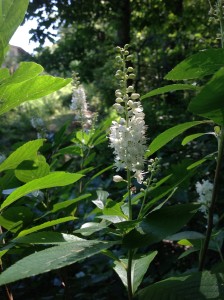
210,156
46,237
209,102
65,204
4,74
25,71
45,225
90,228
198,286
39,168
204,63
28,151
160,224
54,179
11,15
25,79
14,218
191,235
169,88
168,135
138,269
53,258
192,137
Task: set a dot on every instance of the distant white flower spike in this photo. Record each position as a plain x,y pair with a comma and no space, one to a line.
204,190
79,100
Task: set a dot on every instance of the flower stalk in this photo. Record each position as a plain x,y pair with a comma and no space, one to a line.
202,256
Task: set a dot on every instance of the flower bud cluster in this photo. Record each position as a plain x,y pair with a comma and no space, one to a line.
127,136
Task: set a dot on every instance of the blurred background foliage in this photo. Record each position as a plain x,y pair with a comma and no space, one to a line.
161,34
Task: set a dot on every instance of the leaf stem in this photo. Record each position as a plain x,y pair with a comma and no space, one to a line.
130,253
213,201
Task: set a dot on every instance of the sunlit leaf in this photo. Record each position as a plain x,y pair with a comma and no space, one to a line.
169,88
11,15
168,135
46,237
52,180
28,151
53,258
45,225
198,65
12,94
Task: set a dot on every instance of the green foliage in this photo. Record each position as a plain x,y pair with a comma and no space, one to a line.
138,269
11,15
27,78
159,224
165,137
62,182
199,286
198,65
53,258
51,180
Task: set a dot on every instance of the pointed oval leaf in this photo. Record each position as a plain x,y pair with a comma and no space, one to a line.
198,286
28,151
138,269
201,64
11,216
53,258
192,137
209,102
25,71
11,15
168,135
46,237
54,179
45,225
12,95
159,224
38,169
170,88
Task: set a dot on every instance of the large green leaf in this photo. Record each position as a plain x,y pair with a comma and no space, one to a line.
209,102
53,258
160,224
46,237
30,170
204,63
25,71
138,269
54,179
168,135
45,225
169,88
28,151
26,85
14,218
11,15
198,286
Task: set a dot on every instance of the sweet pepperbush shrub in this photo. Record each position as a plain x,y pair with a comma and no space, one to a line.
41,202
